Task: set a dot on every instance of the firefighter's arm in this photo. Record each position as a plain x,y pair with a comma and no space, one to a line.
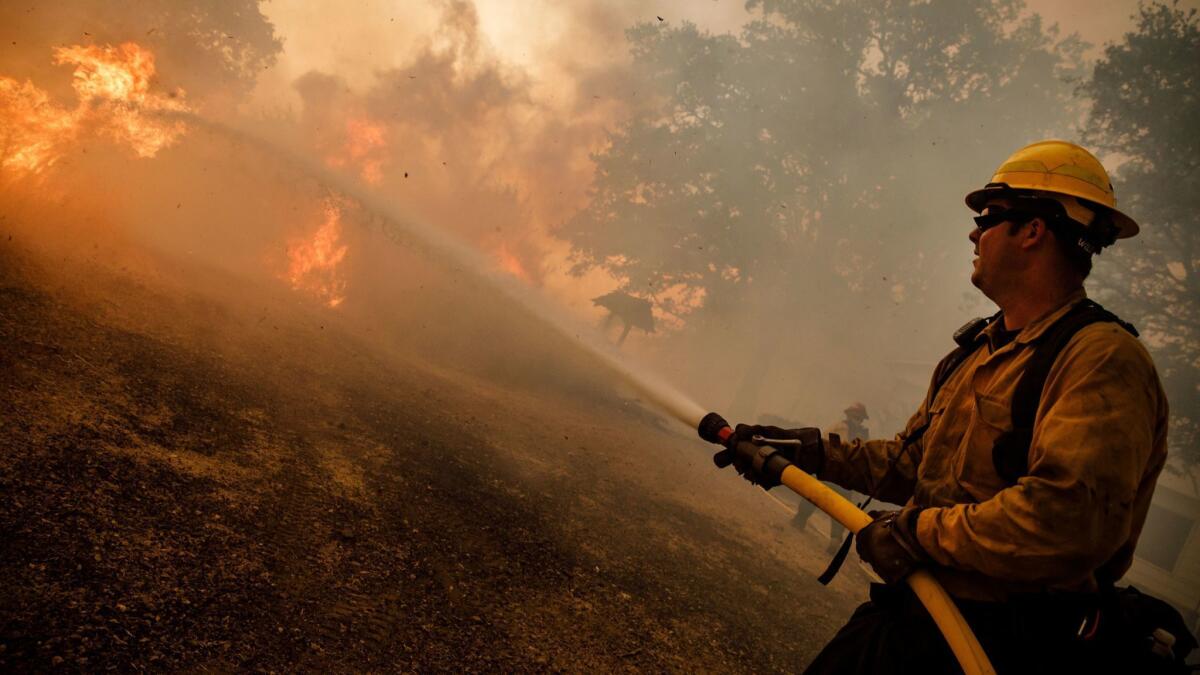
1094,443
885,469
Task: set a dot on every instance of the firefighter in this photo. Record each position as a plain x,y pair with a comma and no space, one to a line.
851,428
1027,519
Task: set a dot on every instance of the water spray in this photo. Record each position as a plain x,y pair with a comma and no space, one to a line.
711,426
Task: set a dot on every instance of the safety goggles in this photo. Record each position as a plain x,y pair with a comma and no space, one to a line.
991,219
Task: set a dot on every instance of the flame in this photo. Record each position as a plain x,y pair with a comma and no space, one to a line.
365,146
511,264
119,73
313,262
121,77
113,87
34,129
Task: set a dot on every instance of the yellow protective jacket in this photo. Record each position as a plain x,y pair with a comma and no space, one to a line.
1099,443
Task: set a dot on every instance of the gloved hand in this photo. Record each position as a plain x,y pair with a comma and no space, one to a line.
748,456
889,544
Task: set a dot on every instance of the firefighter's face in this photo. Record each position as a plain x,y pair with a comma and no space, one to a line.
997,252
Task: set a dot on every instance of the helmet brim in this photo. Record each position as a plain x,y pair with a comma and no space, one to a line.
1126,226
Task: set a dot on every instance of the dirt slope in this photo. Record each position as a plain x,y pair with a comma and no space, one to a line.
192,484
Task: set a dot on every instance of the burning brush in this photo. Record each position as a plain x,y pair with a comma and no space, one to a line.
113,87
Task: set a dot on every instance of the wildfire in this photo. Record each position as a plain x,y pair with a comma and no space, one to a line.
120,77
313,262
366,141
113,87
35,130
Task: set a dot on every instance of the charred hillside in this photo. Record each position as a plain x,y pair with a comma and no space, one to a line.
300,498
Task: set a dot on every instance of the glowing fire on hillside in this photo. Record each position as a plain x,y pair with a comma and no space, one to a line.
113,87
364,149
116,99
313,262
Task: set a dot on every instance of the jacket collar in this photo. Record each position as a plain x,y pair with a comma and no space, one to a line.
1035,328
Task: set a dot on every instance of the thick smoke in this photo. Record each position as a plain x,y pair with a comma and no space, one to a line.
462,128
452,136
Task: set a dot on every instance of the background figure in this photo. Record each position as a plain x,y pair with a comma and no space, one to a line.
850,428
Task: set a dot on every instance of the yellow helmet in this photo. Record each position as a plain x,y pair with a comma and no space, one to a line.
1064,171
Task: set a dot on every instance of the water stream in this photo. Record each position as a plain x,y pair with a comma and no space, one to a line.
465,257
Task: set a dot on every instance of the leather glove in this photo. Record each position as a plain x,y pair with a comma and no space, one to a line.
749,457
889,543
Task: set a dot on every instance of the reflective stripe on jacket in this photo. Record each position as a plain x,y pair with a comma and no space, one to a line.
1099,443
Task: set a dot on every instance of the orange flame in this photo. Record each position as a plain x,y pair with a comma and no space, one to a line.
366,141
512,264
313,262
121,77
34,129
113,85
119,73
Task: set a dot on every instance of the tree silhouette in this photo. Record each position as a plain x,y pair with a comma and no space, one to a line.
1145,108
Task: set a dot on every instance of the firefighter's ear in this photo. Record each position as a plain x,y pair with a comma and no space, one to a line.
1034,233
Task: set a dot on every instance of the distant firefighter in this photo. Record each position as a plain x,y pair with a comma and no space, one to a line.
851,428
633,312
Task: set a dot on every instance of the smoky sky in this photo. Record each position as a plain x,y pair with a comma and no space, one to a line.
487,123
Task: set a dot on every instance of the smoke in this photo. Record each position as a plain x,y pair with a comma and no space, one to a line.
487,124
451,135
452,132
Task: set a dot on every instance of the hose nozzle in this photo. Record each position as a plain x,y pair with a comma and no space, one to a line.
714,429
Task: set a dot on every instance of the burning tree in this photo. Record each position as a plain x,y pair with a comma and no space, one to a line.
115,99
214,51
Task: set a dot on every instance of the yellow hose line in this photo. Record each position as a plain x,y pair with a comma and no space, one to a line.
941,606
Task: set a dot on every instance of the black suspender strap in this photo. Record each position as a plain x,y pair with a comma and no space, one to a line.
1010,452
966,339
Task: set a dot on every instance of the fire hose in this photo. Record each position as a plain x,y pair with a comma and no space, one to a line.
962,641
